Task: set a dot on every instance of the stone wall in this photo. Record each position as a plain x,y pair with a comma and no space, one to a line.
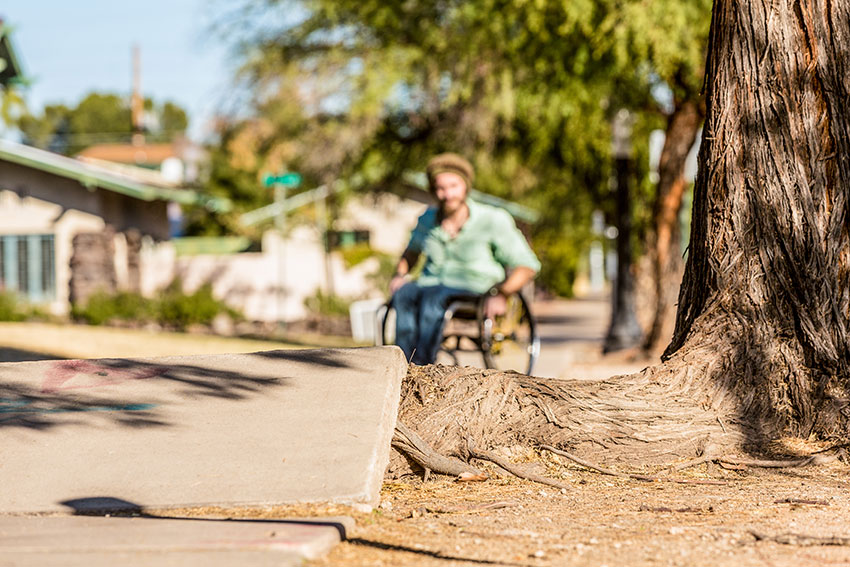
92,265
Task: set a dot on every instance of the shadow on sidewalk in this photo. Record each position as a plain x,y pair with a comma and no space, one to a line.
109,506
8,354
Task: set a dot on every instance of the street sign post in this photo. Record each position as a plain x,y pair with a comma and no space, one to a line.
290,180
282,182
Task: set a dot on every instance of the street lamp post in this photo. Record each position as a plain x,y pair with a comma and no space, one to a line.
624,331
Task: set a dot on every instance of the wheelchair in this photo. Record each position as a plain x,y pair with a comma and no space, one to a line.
506,342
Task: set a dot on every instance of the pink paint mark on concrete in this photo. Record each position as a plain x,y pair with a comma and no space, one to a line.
91,374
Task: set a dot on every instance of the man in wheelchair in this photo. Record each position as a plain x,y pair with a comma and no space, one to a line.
470,249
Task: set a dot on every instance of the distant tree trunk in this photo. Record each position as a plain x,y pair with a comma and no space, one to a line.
761,346
682,128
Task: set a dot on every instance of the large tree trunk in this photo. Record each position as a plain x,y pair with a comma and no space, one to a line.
682,128
761,347
766,282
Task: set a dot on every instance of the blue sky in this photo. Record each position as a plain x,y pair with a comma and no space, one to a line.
70,48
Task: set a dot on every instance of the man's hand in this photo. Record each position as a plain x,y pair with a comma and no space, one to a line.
397,282
402,269
496,302
495,305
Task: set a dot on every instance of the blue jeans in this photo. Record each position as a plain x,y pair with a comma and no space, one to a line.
419,318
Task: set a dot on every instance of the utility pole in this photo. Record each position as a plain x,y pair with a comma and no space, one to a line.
137,102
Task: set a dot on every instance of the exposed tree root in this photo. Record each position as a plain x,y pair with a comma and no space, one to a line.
421,452
512,468
739,463
651,417
633,476
591,466
695,408
799,539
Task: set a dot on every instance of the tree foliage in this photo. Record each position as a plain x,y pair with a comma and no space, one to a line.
99,118
526,89
11,104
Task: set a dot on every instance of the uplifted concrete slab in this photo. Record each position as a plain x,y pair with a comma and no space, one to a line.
72,541
242,429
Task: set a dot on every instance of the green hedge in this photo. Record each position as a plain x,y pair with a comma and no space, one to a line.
13,308
173,308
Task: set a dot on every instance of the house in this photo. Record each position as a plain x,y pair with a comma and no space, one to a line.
69,228
271,284
176,162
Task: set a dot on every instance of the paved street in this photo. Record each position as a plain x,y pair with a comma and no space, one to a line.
571,333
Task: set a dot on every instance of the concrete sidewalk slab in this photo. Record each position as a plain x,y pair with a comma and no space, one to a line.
243,429
105,542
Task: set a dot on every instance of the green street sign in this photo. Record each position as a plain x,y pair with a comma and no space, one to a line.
286,179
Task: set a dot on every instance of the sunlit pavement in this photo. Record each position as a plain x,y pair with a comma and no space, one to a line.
571,333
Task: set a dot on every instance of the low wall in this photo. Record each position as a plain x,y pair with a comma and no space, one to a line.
265,286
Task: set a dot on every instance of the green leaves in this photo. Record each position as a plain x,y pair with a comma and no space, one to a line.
524,88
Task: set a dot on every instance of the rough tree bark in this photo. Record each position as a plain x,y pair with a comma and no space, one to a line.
761,345
667,266
766,284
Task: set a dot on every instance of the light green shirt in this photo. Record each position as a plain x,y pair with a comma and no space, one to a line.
476,258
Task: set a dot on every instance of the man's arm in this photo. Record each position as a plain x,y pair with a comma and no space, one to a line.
515,281
518,277
402,269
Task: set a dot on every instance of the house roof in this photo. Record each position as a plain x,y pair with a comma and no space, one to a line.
10,67
90,175
151,154
141,174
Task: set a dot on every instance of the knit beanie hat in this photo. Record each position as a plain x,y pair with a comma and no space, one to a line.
449,163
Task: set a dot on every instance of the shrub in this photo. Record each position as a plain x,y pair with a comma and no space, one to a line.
176,309
11,308
327,304
103,307
172,308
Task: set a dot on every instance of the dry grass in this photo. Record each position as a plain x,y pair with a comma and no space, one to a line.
17,340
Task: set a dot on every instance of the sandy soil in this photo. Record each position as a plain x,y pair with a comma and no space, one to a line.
598,520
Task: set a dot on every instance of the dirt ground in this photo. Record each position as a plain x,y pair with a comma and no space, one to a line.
597,520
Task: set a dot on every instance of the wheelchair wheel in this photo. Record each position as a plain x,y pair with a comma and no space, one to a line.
510,341
385,325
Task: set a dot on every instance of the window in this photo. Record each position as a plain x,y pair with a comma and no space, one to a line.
23,266
346,238
48,261
27,265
